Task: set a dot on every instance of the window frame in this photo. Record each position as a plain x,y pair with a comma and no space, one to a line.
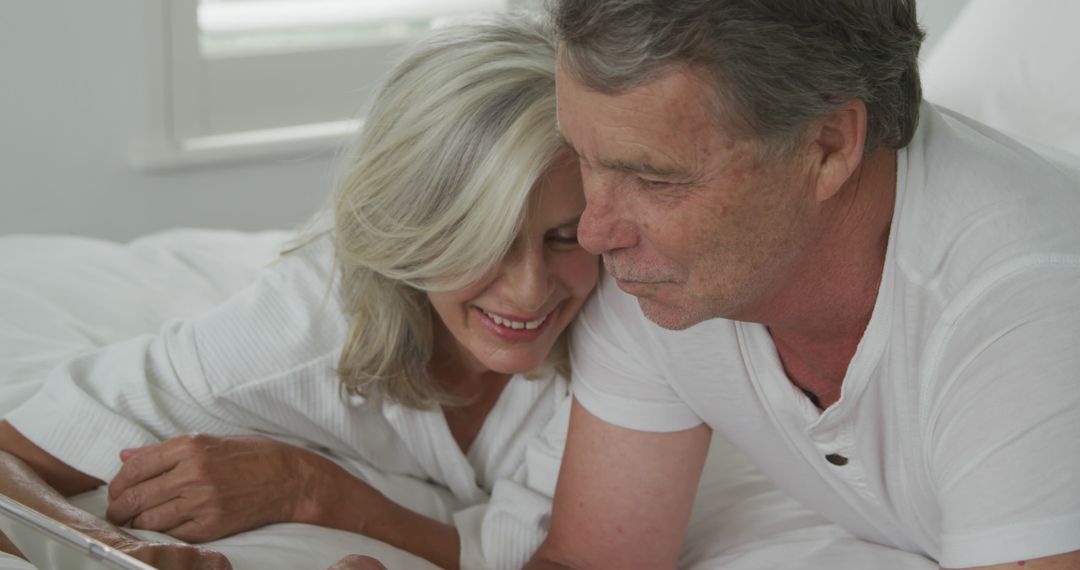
196,113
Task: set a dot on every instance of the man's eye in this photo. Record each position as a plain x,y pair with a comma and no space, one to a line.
654,184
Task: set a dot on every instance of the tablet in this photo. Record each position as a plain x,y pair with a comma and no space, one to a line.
21,523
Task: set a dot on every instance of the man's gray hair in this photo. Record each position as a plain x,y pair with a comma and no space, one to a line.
776,65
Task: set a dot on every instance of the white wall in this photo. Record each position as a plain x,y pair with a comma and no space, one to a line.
935,17
73,97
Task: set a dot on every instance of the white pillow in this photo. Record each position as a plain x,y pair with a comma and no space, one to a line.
62,295
1014,66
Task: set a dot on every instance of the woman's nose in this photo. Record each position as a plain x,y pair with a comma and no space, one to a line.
527,280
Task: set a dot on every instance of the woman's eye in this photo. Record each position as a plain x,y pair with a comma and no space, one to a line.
564,237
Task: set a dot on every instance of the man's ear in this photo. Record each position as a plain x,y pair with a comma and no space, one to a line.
841,137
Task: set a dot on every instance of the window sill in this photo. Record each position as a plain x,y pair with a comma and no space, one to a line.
250,146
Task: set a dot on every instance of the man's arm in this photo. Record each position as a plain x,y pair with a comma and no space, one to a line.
624,497
1068,561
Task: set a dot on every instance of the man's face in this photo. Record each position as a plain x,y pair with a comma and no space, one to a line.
688,216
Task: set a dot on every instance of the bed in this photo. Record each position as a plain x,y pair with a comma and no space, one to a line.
62,295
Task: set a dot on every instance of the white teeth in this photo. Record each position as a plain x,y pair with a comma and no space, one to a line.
534,324
516,325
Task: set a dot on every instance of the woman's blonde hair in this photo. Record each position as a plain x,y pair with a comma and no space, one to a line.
434,191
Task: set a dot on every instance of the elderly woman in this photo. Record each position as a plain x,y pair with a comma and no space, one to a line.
418,343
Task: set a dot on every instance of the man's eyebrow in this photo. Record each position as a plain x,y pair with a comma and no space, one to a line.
642,167
636,166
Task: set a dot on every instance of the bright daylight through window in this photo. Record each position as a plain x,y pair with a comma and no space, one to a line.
252,25
249,79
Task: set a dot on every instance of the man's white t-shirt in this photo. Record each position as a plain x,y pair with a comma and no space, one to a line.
957,434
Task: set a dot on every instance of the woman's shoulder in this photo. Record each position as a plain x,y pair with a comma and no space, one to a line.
289,319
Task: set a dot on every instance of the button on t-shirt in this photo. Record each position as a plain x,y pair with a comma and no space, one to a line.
836,459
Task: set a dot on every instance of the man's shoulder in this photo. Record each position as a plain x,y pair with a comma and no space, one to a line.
972,201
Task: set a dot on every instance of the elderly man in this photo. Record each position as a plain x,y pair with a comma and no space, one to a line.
876,299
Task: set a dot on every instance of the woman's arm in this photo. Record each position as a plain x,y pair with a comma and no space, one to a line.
19,479
201,487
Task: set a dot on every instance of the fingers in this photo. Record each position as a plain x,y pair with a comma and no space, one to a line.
136,501
185,519
142,482
199,558
130,452
197,531
163,517
357,562
199,487
178,556
215,561
149,462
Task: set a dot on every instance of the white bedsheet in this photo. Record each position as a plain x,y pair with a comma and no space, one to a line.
62,295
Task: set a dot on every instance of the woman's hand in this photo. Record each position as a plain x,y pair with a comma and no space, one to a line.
165,556
202,487
357,562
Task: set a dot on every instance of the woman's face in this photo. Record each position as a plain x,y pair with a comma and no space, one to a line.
508,321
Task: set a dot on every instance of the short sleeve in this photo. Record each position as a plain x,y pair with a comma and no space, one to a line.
615,367
1004,448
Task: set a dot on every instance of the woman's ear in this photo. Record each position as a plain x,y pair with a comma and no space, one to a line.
841,138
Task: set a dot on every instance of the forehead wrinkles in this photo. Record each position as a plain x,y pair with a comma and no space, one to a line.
671,122
720,147
714,140
680,123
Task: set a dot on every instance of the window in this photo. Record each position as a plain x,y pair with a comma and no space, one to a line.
242,79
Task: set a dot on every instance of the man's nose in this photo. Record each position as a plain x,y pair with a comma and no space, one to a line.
604,226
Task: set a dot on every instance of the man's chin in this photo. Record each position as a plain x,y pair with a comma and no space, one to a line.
666,316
